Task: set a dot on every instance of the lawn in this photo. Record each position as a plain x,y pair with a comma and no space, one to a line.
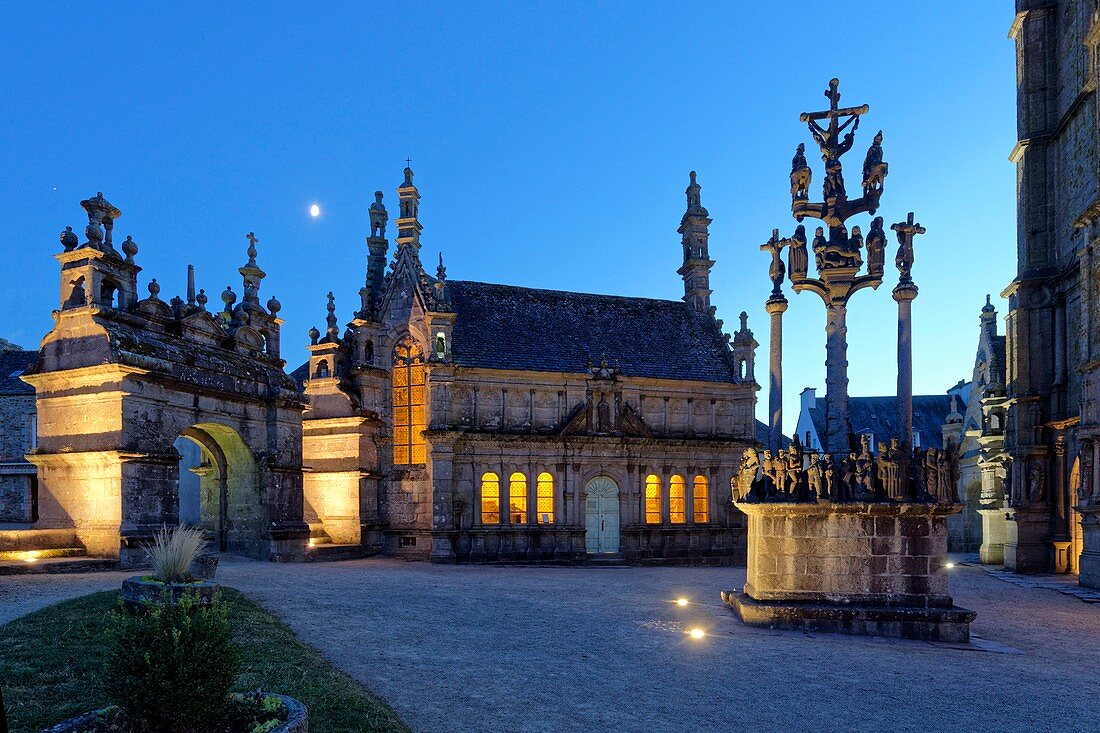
51,664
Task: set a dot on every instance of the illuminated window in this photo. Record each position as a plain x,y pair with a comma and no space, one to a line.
701,498
490,498
652,499
408,405
677,492
517,498
544,498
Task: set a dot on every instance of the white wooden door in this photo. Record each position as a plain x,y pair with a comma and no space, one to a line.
601,516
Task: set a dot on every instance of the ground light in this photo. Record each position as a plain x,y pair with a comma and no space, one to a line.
949,565
696,633
31,556
681,601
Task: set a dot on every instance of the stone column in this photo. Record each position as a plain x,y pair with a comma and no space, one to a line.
904,294
776,306
836,378
1060,542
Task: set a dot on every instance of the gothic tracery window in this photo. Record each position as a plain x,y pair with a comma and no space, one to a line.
409,395
677,494
652,499
701,500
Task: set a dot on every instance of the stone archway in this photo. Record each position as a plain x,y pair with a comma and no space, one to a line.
227,508
118,382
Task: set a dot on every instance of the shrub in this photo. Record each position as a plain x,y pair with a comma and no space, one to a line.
173,551
170,666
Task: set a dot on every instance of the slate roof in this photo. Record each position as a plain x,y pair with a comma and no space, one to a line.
880,416
763,434
12,364
509,327
301,374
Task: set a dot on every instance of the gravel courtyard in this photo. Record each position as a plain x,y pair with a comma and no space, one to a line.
476,648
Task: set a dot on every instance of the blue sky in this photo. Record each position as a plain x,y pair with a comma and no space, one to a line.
551,144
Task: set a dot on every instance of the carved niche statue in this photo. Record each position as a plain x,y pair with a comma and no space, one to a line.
1036,482
874,170
800,174
931,472
865,470
876,248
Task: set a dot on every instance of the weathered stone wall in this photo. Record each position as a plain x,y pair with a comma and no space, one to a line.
17,479
866,554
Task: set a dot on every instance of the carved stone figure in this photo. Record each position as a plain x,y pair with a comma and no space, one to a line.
69,240
849,477
916,475
833,188
842,251
865,470
767,467
800,174
796,256
747,474
1084,487
876,248
819,245
874,170
828,473
943,478
378,216
931,472
779,470
795,484
815,478
1036,483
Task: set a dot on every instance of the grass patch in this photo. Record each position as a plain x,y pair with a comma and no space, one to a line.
51,667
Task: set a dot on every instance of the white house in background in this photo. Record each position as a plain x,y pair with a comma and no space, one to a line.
878,417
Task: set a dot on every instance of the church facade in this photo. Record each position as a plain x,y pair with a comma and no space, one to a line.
1052,349
456,420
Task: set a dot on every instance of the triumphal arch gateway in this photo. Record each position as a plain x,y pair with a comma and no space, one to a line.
120,379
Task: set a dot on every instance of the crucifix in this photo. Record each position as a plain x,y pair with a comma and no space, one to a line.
252,239
826,139
906,230
408,162
777,270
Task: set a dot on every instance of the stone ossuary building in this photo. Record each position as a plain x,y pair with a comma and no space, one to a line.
18,434
459,420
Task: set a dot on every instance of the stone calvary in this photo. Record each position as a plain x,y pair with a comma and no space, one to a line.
854,539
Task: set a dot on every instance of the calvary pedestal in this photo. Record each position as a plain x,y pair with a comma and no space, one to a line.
870,569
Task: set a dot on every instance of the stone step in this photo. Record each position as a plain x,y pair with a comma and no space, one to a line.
57,565
330,552
31,556
605,561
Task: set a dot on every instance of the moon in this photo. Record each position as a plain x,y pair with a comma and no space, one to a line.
314,210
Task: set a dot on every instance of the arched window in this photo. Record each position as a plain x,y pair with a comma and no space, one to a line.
322,370
107,292
701,499
677,494
652,499
440,345
517,498
77,296
408,405
544,498
490,498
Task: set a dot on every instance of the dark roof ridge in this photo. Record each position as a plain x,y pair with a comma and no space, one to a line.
555,291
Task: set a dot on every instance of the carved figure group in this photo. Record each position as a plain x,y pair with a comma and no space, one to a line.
894,473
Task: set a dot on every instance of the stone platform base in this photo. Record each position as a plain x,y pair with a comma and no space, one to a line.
924,624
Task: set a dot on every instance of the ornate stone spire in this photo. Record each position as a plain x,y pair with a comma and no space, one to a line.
694,229
101,222
252,274
408,225
441,271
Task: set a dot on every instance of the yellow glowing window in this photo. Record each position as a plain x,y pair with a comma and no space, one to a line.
544,498
517,498
408,405
677,492
490,498
652,499
701,499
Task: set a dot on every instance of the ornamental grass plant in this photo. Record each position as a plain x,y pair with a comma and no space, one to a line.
172,552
